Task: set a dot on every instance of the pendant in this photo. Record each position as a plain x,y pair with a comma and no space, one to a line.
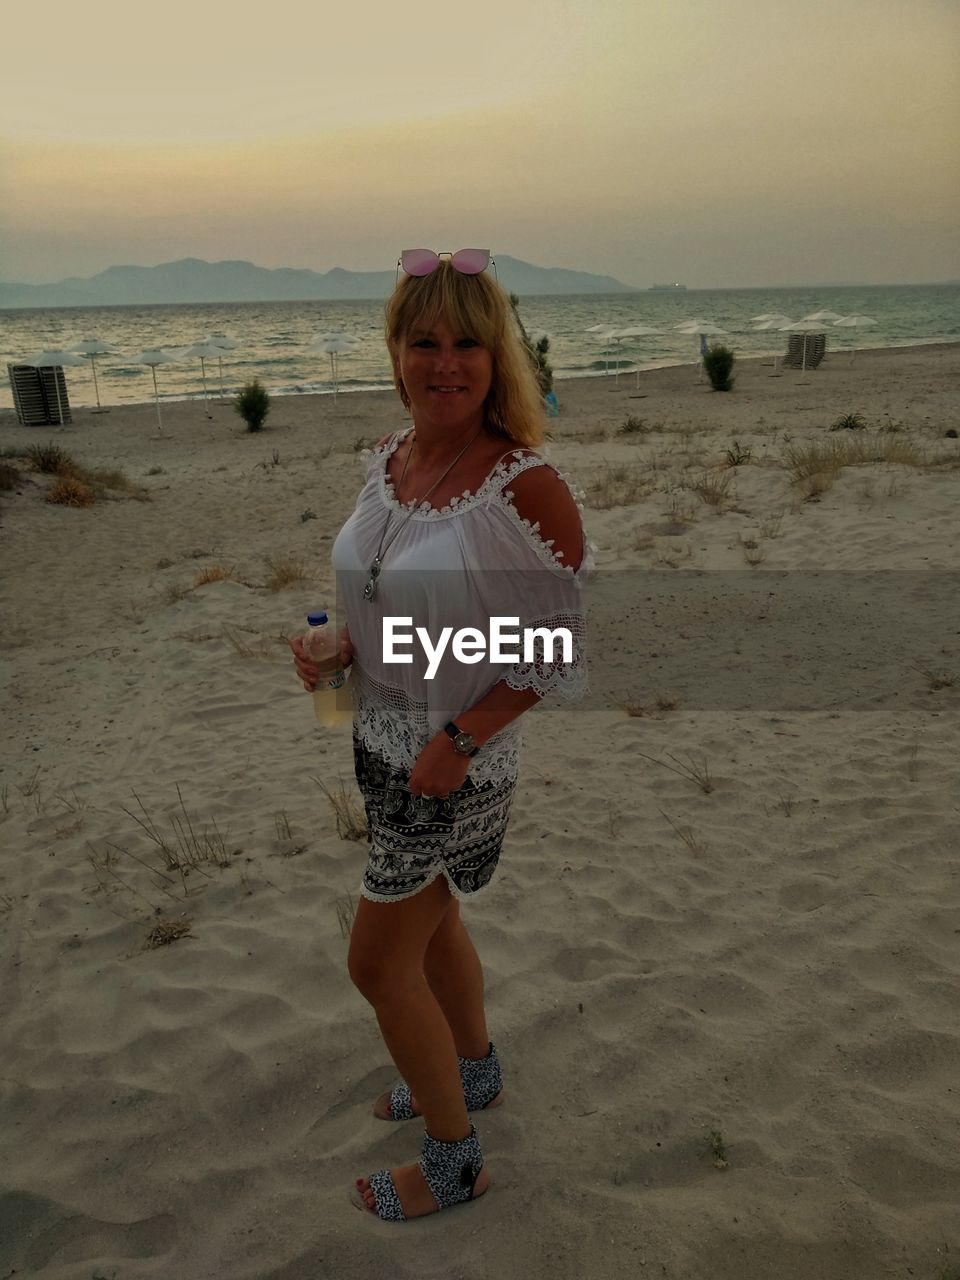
370,590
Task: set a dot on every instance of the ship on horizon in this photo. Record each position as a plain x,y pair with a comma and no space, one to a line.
667,288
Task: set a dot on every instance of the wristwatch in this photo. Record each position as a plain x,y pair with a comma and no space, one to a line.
463,743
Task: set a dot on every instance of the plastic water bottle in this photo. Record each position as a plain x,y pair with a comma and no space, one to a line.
323,647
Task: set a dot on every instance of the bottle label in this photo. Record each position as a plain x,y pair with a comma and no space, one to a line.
334,682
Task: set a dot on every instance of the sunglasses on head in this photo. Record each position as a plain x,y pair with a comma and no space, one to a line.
421,262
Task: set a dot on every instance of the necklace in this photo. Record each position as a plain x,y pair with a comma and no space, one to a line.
370,590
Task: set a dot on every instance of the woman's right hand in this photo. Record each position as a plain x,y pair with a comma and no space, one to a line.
307,670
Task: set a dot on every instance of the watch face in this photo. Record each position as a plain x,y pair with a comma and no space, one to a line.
464,743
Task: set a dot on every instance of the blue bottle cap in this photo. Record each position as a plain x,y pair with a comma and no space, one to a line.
318,619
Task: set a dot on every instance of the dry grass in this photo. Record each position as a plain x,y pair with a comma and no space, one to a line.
350,816
165,932
770,525
263,647
216,573
617,487
831,456
936,679
713,489
811,487
284,572
589,435
346,911
662,703
68,491
77,485
688,837
753,553
697,771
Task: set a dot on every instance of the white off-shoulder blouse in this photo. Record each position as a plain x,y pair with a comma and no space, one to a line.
456,566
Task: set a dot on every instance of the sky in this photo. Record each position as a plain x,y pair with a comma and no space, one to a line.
714,142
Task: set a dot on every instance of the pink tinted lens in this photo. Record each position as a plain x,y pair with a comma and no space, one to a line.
419,262
470,262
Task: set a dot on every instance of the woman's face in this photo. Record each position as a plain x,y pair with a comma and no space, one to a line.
447,376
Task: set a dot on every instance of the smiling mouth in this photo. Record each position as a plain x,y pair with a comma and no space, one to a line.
447,390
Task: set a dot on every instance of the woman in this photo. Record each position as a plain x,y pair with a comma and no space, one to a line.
459,521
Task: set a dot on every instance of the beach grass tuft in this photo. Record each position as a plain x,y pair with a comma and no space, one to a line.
285,571
633,426
50,459
216,573
712,489
688,836
737,456
848,422
350,816
718,1149
346,912
697,771
166,931
68,491
617,487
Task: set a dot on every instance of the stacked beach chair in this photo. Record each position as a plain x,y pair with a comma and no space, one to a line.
816,350
35,394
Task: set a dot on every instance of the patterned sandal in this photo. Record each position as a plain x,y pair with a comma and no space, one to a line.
482,1082
450,1170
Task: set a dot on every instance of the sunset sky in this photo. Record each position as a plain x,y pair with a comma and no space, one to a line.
747,142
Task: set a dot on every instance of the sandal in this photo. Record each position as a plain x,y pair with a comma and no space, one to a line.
482,1082
450,1170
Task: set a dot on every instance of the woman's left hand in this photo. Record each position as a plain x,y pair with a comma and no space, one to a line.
438,769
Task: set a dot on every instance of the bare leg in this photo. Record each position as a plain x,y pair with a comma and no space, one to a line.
452,968
386,964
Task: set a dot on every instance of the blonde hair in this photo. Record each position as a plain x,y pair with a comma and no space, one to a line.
477,307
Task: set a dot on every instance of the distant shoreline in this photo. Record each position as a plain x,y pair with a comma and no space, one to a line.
7,413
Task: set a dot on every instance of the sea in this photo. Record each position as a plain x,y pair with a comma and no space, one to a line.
273,340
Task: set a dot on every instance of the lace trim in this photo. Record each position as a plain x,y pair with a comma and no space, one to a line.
394,725
568,679
493,490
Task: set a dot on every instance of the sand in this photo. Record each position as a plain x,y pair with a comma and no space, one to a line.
766,970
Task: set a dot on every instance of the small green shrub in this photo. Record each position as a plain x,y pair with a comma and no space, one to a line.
718,362
632,425
253,404
849,422
537,351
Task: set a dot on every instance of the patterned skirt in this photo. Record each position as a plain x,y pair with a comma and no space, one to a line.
414,839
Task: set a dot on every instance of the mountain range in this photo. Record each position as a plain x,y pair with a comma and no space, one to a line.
193,280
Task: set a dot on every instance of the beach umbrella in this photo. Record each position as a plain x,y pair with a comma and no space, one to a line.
768,316
91,348
225,344
601,332
853,322
773,322
823,315
54,360
153,358
202,351
636,331
702,328
809,324
335,345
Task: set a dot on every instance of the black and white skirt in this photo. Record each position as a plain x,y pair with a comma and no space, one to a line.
414,839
